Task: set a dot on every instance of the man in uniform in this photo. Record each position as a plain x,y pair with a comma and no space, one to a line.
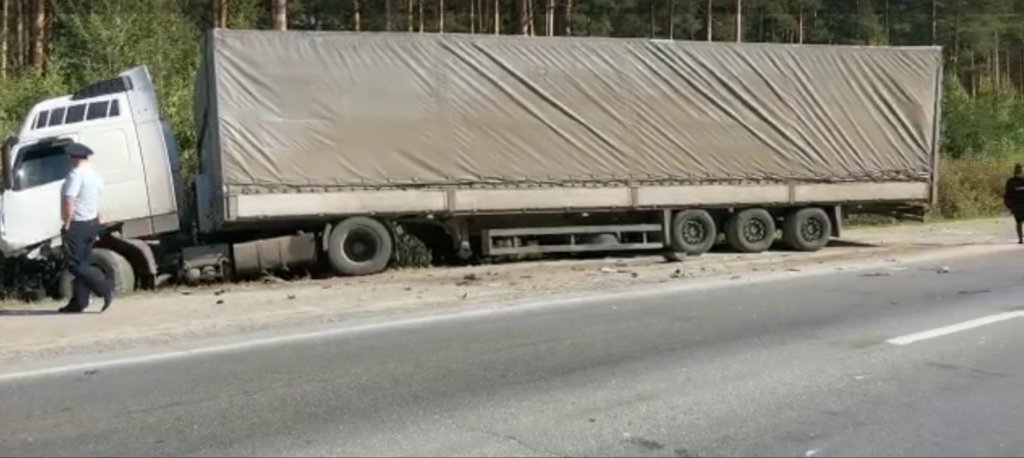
80,199
1013,198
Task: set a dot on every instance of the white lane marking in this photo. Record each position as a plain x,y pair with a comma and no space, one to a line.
954,328
246,342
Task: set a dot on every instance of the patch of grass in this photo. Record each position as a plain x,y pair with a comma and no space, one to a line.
972,187
870,220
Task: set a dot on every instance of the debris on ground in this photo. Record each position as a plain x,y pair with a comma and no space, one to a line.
410,251
468,279
272,279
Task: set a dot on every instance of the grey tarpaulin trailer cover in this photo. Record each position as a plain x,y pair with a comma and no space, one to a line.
332,123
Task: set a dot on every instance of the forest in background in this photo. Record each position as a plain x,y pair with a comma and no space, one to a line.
51,47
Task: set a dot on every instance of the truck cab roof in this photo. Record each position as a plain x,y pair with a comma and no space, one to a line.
98,102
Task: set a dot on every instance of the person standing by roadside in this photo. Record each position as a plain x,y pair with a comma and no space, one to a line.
80,199
1013,198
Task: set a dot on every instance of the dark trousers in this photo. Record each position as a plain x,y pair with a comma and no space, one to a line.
77,241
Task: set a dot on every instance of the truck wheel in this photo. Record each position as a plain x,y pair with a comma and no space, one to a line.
807,229
751,230
693,232
114,267
359,246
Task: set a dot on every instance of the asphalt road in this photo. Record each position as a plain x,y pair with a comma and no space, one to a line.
792,368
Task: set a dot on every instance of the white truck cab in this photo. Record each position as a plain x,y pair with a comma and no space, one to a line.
135,153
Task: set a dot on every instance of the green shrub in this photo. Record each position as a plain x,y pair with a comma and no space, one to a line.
972,187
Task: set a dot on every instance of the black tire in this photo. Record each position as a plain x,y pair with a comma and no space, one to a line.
807,229
693,232
359,246
751,230
114,267
64,285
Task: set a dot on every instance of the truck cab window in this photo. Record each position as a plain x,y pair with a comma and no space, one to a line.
97,110
115,109
41,119
76,113
56,117
40,165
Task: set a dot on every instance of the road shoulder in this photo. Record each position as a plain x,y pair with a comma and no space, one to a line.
185,316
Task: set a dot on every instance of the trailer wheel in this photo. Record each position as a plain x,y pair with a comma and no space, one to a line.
751,230
693,232
359,246
807,229
115,268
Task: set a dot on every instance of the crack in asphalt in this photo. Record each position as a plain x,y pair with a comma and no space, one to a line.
510,438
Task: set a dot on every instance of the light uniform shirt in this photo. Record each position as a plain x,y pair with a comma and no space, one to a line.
86,186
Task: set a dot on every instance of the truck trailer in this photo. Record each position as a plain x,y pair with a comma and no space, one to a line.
319,147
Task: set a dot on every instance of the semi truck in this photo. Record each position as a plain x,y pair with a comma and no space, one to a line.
318,148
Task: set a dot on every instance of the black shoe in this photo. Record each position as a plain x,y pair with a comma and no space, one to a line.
108,299
69,309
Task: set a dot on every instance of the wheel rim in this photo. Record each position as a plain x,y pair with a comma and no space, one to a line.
755,231
694,232
812,229
361,245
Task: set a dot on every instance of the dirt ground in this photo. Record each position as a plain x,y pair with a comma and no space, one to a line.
30,333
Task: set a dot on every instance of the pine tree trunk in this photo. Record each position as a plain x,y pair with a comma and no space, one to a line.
419,4
472,16
409,15
357,16
389,24
711,20
38,36
223,14
739,21
549,18
671,19
215,13
280,14
569,12
524,21
497,17
935,22
440,16
652,28
997,68
20,48
800,27
955,58
481,15
531,14
4,39
887,23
